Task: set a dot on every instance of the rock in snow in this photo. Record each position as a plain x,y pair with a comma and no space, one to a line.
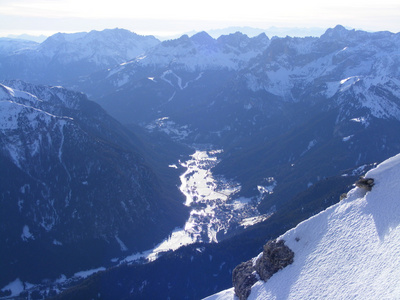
350,250
276,256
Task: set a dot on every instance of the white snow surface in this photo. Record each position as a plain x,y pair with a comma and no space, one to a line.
87,273
16,287
19,110
349,251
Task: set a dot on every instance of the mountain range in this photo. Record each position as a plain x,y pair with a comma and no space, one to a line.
63,57
272,105
296,120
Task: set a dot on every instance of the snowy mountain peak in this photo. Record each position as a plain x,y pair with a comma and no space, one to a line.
63,37
344,249
336,32
203,38
234,39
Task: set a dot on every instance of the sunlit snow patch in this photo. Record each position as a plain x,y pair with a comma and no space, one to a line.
254,220
362,120
347,138
87,273
345,84
267,189
16,287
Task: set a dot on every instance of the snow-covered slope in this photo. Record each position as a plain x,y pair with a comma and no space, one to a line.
349,251
9,46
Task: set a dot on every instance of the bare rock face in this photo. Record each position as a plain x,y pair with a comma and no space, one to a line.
243,278
276,256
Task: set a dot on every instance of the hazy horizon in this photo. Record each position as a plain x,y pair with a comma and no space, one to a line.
160,18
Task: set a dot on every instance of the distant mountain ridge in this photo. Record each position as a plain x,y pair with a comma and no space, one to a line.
9,46
28,37
270,31
63,57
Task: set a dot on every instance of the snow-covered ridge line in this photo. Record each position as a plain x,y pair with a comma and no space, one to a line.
339,252
36,109
11,108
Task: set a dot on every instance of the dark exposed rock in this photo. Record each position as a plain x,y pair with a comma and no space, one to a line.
243,278
276,256
365,183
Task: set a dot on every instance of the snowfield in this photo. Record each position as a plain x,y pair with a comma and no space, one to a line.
349,251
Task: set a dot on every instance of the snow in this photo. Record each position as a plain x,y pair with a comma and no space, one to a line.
16,287
349,251
122,245
228,294
267,189
311,144
26,234
21,110
348,82
57,243
87,273
169,127
362,120
254,220
347,138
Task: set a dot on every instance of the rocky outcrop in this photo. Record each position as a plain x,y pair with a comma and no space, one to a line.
276,256
243,278
365,183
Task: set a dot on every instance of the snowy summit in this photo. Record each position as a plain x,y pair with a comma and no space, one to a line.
349,251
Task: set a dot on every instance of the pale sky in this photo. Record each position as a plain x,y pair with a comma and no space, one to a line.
167,17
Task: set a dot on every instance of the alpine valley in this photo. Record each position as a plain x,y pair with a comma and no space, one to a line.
189,156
